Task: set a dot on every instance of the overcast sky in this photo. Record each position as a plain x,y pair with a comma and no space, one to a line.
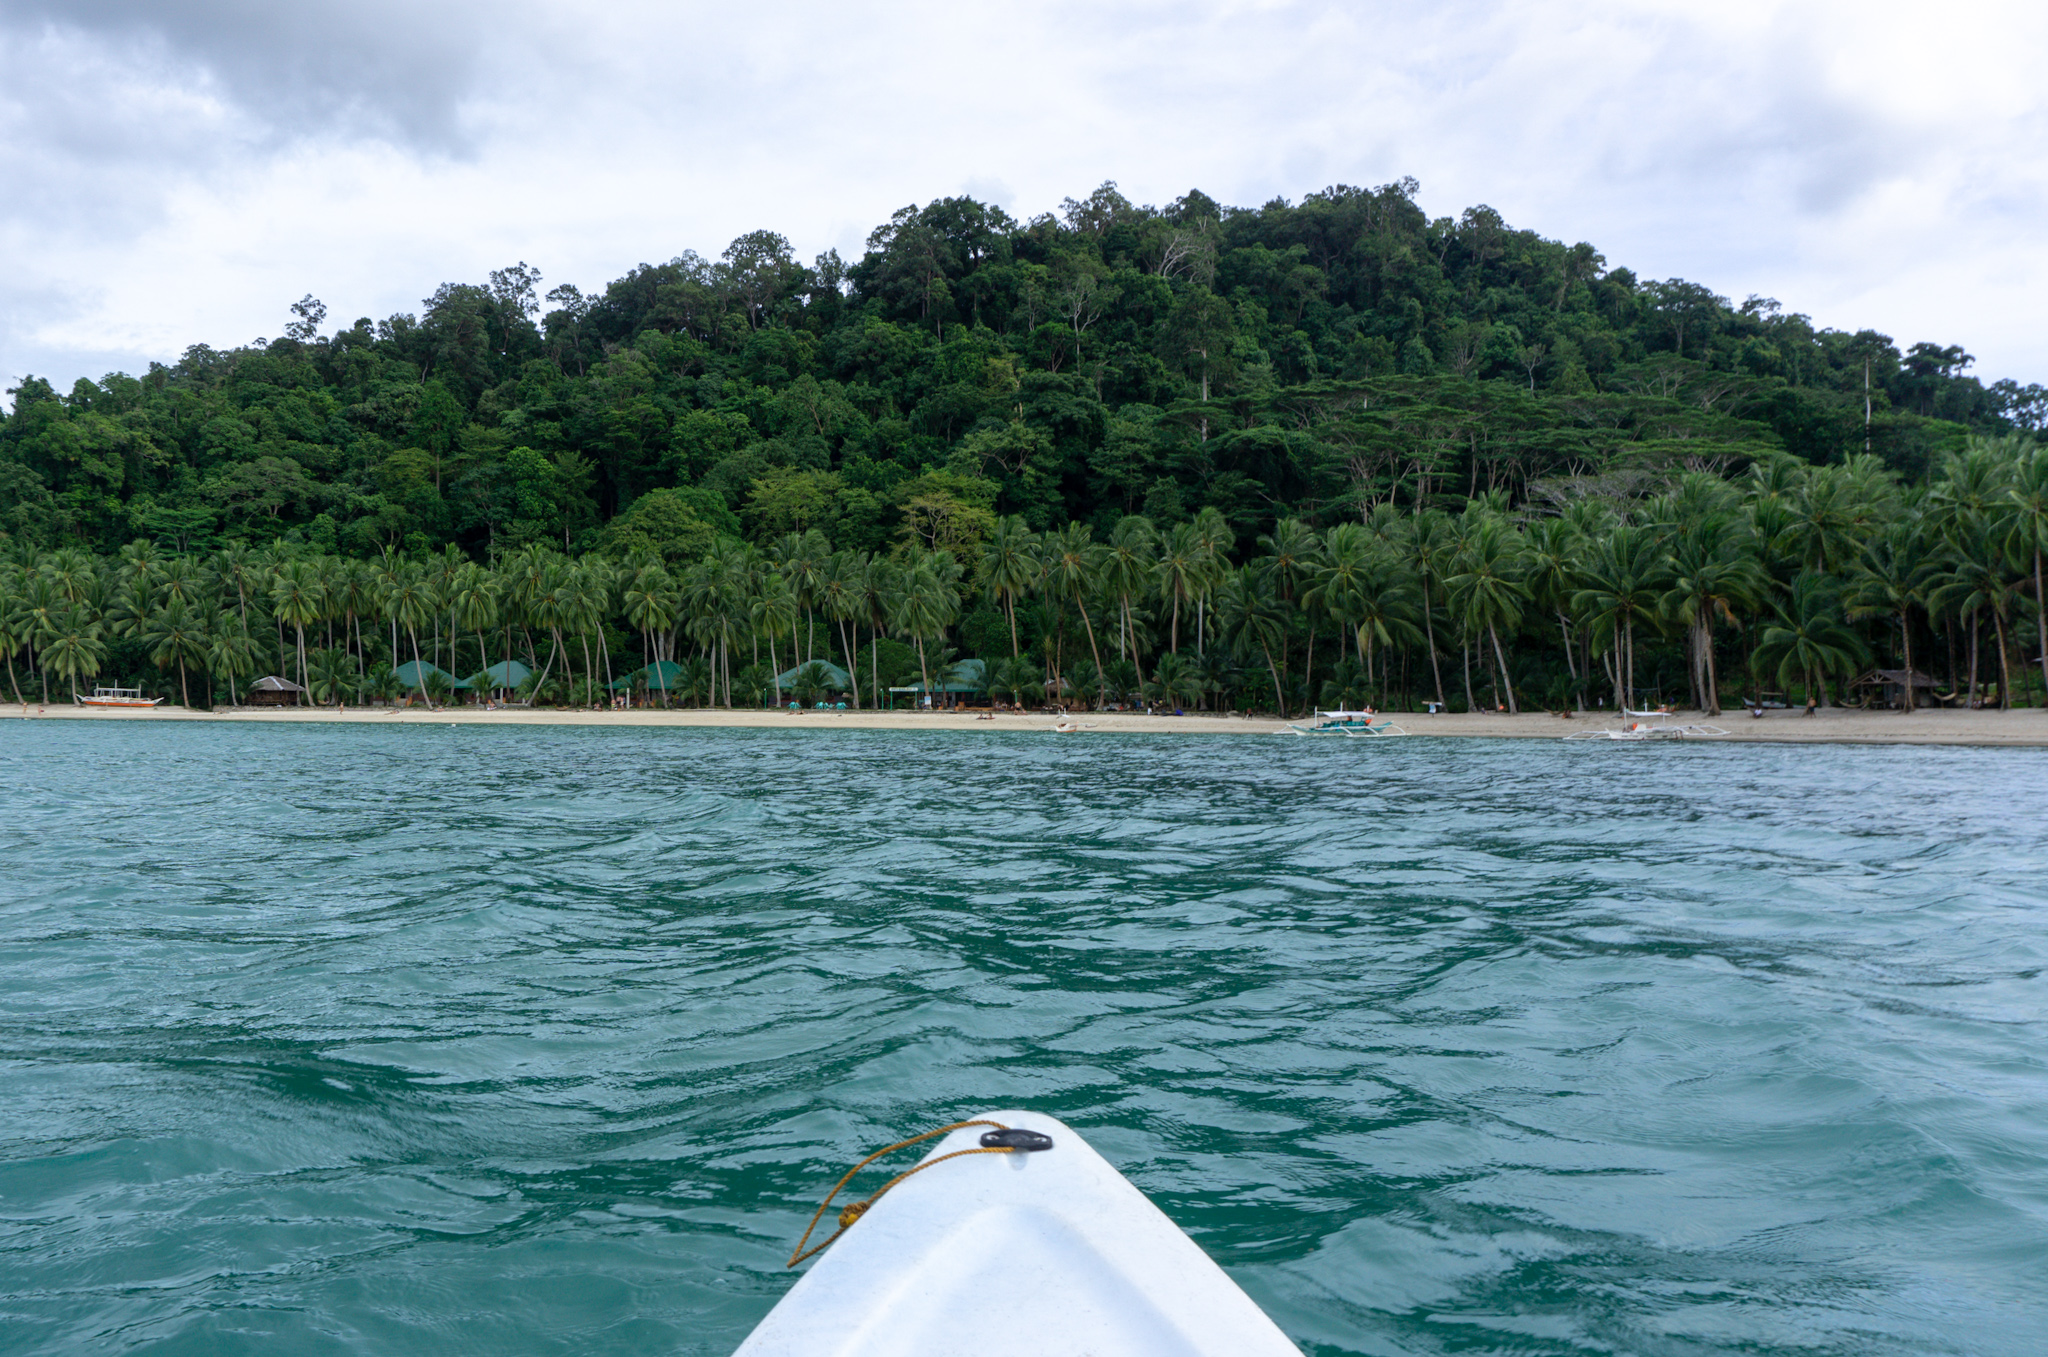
175,173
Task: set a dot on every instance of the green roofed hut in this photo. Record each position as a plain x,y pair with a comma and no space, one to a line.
836,679
963,678
661,676
416,673
506,674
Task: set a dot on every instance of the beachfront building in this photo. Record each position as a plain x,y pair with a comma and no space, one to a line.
1889,687
836,680
661,677
418,674
505,676
961,681
273,691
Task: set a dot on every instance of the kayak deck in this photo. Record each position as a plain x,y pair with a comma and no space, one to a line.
1039,1254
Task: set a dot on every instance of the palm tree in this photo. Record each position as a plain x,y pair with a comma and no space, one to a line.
74,575
844,601
651,606
1016,677
12,635
1381,610
925,604
1174,679
353,593
409,602
183,580
1179,570
1892,580
230,650
36,615
1293,552
75,651
1009,566
1489,592
141,564
774,613
1809,639
1430,549
297,597
694,680
1073,565
801,559
810,683
175,635
1347,555
473,607
1624,577
590,603
1980,581
2027,520
875,587
1252,617
1555,550
1709,575
1127,568
238,571
1214,540
333,675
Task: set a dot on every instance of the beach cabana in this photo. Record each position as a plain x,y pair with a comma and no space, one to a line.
836,679
1893,684
964,678
659,676
273,691
414,673
506,674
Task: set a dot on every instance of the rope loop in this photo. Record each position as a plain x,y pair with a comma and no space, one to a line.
853,1211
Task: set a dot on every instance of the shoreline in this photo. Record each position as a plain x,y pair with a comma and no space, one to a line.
2024,728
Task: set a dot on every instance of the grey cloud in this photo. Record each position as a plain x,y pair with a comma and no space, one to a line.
376,67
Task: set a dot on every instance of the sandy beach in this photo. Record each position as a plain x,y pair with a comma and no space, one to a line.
2026,727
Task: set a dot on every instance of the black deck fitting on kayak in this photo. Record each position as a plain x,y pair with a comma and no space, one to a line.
1015,1138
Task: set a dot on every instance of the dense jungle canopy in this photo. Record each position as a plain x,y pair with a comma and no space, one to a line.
1192,453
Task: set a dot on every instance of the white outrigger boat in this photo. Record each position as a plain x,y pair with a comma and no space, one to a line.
1341,722
118,697
1027,1244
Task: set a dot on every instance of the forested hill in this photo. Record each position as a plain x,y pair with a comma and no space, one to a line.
1296,360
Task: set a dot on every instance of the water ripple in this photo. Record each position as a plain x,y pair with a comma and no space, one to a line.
486,1041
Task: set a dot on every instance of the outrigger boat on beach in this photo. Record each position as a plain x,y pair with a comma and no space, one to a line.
1020,1241
1341,722
118,697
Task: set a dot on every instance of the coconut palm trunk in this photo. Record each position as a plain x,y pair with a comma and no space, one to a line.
1429,638
1507,684
1906,644
1714,677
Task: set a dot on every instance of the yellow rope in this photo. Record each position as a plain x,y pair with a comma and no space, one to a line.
855,1210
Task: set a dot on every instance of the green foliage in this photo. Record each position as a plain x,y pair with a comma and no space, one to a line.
1208,454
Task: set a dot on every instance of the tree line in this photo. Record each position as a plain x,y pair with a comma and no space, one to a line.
1333,442
1788,576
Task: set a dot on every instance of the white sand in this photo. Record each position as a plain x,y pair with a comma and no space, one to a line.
2026,727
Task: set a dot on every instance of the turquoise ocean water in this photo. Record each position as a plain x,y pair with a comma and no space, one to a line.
451,1041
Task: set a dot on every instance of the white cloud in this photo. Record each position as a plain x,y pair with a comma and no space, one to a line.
172,180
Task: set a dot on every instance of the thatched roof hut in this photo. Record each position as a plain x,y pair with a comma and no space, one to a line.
273,691
1894,684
